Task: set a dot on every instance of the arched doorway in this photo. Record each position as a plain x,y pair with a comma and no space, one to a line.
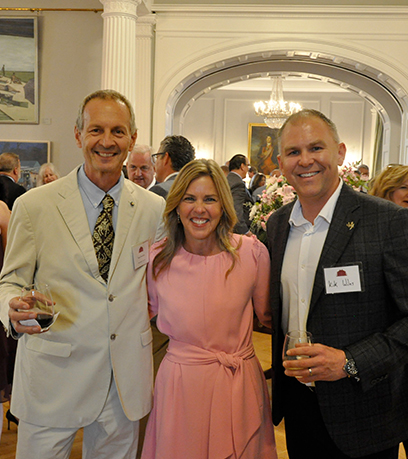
384,95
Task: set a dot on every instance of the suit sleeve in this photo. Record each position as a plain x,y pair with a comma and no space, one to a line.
161,231
240,197
261,289
20,259
384,353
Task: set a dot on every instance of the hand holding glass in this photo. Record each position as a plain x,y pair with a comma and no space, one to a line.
38,297
293,338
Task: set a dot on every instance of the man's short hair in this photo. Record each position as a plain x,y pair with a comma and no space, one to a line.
308,113
179,149
142,149
106,94
236,162
8,162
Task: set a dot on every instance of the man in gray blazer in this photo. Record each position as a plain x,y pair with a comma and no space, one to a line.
339,270
174,153
93,368
238,166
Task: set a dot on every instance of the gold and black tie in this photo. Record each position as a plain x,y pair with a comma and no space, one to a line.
103,237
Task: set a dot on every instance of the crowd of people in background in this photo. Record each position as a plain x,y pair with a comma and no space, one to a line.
157,278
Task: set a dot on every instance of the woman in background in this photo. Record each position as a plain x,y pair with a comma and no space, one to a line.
211,398
392,184
47,174
258,182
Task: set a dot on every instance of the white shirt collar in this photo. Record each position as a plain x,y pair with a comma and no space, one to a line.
297,218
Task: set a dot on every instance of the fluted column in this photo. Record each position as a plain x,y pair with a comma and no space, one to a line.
144,81
119,47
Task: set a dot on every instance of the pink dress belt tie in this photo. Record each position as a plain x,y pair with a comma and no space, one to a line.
236,405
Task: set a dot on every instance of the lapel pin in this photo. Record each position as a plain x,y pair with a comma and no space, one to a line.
132,203
350,225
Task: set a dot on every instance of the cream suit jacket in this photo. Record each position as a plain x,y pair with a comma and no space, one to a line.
62,376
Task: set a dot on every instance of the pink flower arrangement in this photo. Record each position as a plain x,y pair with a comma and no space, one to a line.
277,193
352,178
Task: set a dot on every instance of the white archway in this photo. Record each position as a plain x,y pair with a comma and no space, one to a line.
387,96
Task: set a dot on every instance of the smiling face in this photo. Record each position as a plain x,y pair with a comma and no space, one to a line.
140,168
400,195
309,159
49,175
105,140
200,212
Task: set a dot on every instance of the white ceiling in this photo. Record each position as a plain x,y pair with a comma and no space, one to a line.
290,84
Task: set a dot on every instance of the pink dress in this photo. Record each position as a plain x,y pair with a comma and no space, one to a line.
211,400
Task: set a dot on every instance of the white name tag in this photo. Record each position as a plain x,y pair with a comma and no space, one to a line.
140,254
342,279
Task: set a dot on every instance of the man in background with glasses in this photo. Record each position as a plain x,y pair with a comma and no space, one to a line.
175,151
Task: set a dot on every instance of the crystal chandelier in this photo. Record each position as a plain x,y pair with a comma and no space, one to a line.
276,110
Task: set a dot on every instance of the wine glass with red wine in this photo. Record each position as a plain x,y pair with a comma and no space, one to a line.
38,296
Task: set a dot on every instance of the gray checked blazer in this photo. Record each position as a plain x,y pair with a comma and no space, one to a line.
371,415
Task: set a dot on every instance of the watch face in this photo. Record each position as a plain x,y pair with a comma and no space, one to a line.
350,368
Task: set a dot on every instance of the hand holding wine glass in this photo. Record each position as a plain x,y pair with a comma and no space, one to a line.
38,297
294,339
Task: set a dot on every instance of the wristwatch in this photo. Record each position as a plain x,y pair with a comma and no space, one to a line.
350,368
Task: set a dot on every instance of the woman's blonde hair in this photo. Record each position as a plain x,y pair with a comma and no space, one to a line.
390,179
175,231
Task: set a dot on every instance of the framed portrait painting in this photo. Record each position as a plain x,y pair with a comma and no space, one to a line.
262,147
32,154
18,70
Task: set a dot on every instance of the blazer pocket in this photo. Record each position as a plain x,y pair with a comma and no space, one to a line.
146,337
48,347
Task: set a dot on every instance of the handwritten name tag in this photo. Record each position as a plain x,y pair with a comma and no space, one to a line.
140,254
342,279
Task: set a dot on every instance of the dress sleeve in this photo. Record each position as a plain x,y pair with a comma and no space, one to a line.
151,283
260,295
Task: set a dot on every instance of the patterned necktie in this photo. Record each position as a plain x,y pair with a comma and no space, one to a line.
103,237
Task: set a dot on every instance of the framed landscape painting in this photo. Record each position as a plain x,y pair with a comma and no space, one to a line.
262,147
18,70
32,154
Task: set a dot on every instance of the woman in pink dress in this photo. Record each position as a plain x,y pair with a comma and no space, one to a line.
211,400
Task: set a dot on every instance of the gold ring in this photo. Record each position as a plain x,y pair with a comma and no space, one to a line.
310,372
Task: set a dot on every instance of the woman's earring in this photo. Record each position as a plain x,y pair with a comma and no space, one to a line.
178,218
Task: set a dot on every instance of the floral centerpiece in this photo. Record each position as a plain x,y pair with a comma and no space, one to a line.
351,177
277,193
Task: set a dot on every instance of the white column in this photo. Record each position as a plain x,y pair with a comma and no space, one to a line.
119,47
144,79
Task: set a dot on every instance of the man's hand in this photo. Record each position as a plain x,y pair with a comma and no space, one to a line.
317,363
20,310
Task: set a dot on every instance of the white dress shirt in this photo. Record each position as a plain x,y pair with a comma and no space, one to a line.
302,254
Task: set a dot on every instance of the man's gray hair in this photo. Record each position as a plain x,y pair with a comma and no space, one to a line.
106,94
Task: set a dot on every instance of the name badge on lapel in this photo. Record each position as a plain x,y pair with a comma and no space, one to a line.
343,279
140,254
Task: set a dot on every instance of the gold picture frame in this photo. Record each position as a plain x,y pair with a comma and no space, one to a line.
263,147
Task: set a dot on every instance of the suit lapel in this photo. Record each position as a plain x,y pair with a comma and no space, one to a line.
73,213
345,220
127,209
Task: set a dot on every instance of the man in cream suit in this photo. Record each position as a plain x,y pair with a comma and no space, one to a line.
93,368
339,269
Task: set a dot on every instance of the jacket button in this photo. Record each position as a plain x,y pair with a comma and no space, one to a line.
113,336
111,297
